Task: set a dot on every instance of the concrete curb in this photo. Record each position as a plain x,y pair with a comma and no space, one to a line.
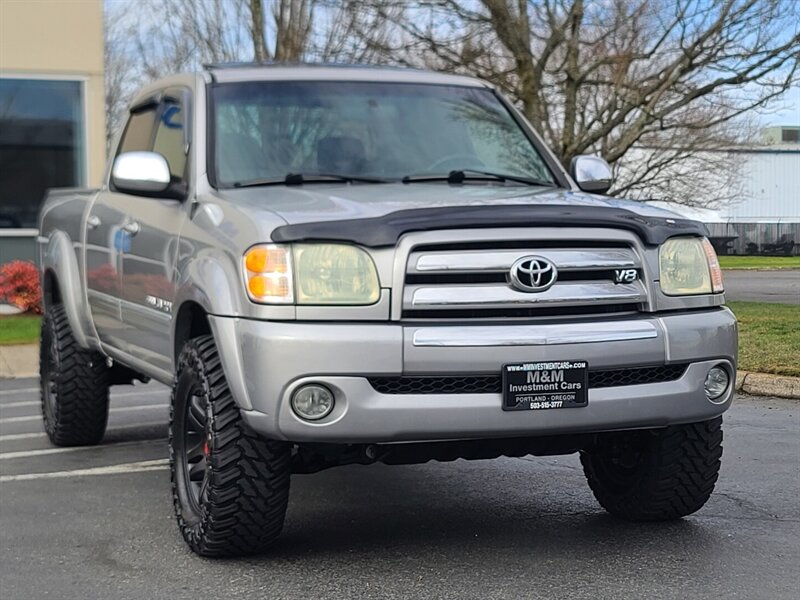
18,361
23,361
765,384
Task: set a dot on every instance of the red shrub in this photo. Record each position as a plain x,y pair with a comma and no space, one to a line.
19,285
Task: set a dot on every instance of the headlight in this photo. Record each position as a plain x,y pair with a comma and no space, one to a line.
689,266
311,274
334,274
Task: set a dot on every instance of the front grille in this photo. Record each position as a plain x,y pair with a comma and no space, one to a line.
492,384
472,280
486,384
527,313
639,375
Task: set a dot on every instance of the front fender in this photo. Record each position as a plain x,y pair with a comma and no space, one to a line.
212,283
208,282
58,256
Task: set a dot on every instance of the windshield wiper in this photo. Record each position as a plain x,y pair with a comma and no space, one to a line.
462,175
301,178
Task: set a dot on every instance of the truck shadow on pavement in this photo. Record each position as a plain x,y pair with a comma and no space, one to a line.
157,432
540,506
426,510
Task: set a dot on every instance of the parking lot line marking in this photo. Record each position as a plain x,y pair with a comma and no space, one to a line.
46,451
113,397
165,391
111,410
19,391
126,394
25,436
21,436
135,467
20,419
23,403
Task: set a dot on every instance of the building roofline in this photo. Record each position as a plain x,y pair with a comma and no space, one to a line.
760,149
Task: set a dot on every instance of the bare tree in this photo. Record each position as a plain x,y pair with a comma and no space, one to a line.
260,53
660,88
152,38
351,31
293,19
667,77
120,70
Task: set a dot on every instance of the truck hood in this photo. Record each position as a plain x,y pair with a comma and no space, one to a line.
332,202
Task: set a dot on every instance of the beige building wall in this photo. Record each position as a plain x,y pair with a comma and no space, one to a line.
60,39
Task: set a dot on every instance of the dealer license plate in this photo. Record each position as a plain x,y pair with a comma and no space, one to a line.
545,385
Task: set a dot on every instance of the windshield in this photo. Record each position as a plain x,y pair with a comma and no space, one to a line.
267,130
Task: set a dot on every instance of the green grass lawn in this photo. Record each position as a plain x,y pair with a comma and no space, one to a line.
769,337
19,329
759,262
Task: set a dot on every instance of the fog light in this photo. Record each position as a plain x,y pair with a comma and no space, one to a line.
312,402
717,382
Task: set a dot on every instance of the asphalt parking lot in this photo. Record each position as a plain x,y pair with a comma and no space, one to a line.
781,286
97,522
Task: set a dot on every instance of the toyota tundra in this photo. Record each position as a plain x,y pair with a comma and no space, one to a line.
339,265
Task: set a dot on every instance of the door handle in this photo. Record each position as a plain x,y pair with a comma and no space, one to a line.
131,227
93,222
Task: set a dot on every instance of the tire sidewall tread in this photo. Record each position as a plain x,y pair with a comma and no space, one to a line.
675,477
248,489
81,380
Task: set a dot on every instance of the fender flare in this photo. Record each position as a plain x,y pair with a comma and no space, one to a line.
201,276
58,257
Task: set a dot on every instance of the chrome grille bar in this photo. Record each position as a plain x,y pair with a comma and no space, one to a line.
587,259
503,296
467,275
534,335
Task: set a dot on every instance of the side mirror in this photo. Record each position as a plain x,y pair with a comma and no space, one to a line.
591,173
145,173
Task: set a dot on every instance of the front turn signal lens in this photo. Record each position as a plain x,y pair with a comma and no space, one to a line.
266,259
268,274
713,266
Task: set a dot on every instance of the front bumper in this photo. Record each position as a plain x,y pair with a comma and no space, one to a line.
264,361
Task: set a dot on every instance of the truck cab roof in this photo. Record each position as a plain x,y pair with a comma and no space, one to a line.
227,72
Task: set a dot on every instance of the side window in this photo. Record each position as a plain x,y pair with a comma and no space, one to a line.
138,134
170,140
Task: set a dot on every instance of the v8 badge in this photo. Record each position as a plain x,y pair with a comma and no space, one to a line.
625,275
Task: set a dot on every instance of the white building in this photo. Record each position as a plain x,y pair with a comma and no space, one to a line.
765,218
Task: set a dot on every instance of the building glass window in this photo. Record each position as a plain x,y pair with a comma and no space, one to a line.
790,135
42,144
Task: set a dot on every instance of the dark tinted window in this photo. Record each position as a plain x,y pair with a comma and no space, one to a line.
41,144
790,135
387,130
138,134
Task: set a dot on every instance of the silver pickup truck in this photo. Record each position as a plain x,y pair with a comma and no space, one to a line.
338,265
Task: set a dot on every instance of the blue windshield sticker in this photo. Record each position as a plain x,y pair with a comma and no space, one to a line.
170,113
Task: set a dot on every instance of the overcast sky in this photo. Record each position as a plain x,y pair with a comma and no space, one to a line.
789,114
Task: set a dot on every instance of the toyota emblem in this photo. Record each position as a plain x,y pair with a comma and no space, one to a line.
533,274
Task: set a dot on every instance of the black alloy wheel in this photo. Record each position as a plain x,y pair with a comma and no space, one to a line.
230,486
192,445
